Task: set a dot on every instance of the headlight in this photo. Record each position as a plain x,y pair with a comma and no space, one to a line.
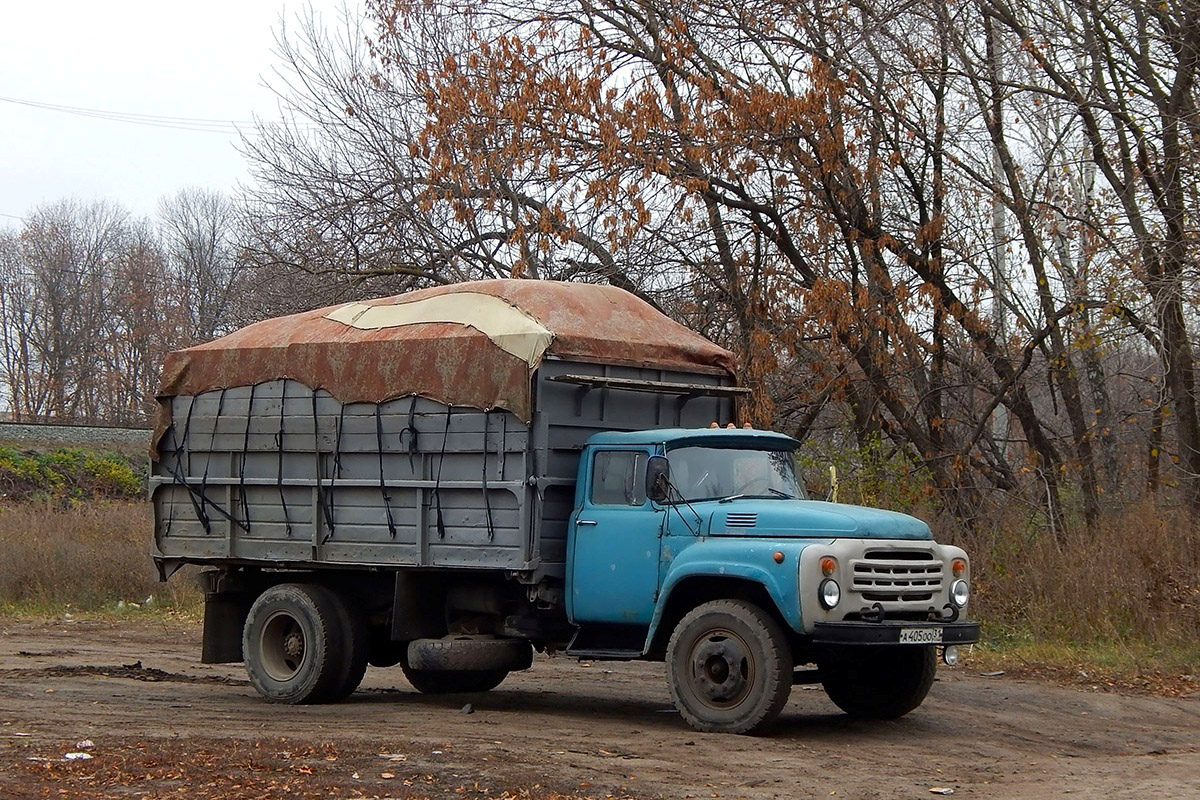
831,593
958,593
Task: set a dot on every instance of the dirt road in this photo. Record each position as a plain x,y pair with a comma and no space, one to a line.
156,723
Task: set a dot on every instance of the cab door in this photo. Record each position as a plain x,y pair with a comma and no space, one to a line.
615,538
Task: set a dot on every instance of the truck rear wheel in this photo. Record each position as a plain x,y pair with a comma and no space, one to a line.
878,682
729,667
294,644
431,681
356,647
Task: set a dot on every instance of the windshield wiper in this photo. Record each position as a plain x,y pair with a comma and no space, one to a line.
771,489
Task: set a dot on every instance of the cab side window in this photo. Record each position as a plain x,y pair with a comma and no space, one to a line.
618,478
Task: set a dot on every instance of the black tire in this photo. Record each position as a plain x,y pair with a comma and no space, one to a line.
469,654
428,681
356,646
729,667
878,682
293,644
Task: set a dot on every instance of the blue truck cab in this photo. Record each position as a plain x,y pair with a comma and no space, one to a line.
700,547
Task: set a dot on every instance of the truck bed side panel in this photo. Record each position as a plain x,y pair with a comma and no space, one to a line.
280,474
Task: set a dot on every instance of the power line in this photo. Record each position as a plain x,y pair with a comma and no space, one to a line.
197,124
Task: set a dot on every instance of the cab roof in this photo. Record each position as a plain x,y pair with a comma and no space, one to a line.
675,437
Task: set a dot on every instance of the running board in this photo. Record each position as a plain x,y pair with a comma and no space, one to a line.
607,642
606,655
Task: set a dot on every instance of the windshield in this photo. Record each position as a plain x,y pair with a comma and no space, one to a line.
715,473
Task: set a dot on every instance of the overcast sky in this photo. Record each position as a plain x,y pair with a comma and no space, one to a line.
137,58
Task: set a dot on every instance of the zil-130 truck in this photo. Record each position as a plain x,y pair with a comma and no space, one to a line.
451,479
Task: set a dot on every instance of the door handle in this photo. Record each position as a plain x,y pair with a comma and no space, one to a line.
585,522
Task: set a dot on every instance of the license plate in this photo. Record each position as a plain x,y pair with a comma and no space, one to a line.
920,636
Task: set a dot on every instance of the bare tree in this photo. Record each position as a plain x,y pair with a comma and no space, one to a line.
88,310
198,234
347,189
62,254
1129,70
146,305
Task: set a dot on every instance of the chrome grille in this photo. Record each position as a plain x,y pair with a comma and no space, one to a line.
741,520
897,576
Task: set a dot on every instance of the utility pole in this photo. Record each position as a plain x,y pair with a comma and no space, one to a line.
999,240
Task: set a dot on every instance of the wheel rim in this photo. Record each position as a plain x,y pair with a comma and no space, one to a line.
283,646
721,670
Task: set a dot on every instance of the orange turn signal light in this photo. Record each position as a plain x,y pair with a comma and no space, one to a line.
778,557
958,566
828,565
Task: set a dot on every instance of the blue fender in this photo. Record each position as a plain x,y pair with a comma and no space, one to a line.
747,559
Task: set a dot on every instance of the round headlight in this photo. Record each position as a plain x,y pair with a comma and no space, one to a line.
958,593
831,593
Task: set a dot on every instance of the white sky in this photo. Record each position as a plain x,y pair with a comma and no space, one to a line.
145,57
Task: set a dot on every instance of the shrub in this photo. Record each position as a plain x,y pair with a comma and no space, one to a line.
68,474
1135,576
875,474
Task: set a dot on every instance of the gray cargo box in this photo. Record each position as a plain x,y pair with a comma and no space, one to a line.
278,474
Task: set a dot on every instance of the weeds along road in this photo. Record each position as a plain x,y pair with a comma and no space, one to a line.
171,727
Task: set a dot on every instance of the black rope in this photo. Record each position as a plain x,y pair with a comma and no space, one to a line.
279,443
242,467
437,483
487,496
175,452
411,430
337,463
199,500
325,507
387,500
178,472
212,443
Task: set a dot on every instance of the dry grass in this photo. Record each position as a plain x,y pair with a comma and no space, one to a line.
1124,595
1133,581
88,556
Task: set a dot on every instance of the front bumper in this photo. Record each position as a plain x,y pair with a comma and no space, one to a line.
888,632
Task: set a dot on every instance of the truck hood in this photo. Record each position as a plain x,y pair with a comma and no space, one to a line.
812,518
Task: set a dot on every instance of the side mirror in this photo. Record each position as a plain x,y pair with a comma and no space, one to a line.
658,478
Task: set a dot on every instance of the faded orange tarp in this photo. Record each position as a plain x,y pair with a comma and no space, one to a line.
450,362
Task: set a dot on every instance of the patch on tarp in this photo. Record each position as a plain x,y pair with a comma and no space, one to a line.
507,326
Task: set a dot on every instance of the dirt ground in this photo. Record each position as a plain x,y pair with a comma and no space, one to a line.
157,723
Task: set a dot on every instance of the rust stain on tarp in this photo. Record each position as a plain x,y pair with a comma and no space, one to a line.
447,362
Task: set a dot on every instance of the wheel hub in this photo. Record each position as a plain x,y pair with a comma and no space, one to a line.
293,645
718,668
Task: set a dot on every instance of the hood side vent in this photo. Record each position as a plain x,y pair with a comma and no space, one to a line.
741,520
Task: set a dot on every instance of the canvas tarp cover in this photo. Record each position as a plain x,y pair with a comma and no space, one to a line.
469,344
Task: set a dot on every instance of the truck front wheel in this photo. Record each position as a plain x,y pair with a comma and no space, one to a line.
878,682
729,667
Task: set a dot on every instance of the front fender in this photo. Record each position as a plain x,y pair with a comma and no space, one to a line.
746,559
